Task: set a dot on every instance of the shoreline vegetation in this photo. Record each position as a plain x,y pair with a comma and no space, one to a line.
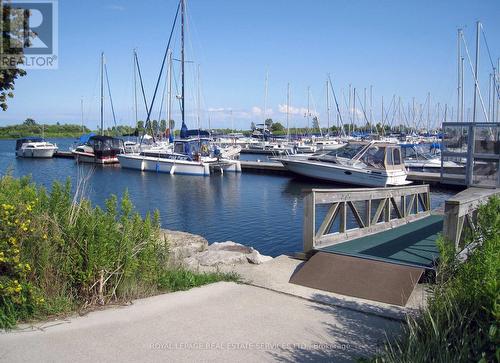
461,322
59,254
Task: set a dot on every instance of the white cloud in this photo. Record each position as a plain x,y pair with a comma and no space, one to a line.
296,110
116,7
257,111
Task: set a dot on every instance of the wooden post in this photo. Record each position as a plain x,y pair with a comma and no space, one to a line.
309,222
343,217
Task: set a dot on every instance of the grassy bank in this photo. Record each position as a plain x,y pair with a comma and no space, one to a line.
49,131
59,254
462,320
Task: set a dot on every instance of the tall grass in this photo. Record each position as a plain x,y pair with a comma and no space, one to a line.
462,320
58,254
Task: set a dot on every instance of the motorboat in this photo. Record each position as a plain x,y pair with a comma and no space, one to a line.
191,156
98,149
35,147
373,164
424,157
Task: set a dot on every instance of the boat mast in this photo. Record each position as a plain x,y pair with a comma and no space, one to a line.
135,89
327,109
198,98
102,93
476,72
81,106
182,64
308,105
266,84
169,110
288,112
460,75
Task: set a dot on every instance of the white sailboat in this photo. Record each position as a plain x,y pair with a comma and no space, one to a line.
192,155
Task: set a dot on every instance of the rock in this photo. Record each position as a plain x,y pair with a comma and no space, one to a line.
194,253
230,246
183,245
256,258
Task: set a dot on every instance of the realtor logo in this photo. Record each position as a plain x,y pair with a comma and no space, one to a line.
29,34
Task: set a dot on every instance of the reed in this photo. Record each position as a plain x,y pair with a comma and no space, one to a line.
59,253
461,322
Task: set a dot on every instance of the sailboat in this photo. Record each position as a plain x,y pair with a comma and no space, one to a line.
99,149
193,153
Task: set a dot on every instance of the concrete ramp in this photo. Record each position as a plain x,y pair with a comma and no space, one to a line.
359,277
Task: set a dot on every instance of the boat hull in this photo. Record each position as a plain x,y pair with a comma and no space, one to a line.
82,157
173,166
36,153
344,175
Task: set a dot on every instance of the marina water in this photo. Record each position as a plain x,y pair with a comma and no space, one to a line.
258,210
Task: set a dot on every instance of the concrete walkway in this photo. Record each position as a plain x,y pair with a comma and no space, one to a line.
220,322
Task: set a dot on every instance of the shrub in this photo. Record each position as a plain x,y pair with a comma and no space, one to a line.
462,320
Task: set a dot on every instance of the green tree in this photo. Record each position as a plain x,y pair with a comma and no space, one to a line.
252,126
140,125
277,127
29,122
163,125
171,124
315,123
14,40
155,126
268,122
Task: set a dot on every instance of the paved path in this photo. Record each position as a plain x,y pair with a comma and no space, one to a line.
220,322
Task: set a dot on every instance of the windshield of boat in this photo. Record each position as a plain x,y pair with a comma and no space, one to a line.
374,157
349,151
417,152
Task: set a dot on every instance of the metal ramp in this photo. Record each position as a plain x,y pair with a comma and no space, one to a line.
383,267
364,278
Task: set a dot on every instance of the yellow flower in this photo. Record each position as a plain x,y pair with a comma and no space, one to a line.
29,208
45,236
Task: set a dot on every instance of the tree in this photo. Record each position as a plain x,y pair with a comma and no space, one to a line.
29,122
277,127
140,125
252,126
315,123
155,126
171,124
14,40
163,125
268,122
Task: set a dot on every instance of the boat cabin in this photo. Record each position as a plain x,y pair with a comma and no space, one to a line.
25,140
192,147
104,146
378,155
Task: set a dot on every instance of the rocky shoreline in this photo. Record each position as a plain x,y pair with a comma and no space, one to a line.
193,252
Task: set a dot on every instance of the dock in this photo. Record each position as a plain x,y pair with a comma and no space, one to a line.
63,154
377,243
273,167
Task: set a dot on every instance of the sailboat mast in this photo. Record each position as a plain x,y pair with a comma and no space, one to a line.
102,93
265,103
476,72
182,62
169,111
308,101
327,109
288,111
135,89
460,75
81,106
198,98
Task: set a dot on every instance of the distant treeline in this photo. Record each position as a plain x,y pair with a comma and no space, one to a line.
29,128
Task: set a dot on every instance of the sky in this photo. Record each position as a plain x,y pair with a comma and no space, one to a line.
399,48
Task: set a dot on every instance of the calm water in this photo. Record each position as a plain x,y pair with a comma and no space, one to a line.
263,211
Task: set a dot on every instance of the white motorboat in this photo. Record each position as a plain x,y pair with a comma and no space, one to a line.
416,158
192,156
35,147
373,164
